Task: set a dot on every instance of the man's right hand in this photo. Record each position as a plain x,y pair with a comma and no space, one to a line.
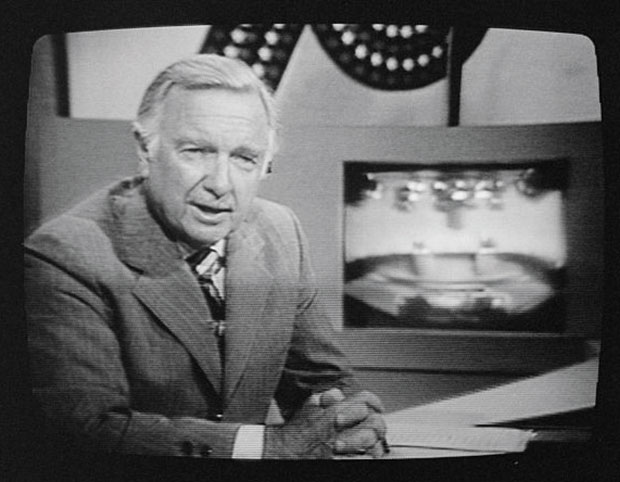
327,426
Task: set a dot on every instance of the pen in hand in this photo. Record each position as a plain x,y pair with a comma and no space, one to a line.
385,445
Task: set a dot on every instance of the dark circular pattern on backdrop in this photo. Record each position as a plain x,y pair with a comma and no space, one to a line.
264,47
395,56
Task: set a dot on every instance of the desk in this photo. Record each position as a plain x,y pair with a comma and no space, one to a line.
568,390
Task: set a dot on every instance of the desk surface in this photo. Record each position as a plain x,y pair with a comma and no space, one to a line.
565,390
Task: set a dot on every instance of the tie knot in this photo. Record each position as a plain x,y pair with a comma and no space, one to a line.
206,263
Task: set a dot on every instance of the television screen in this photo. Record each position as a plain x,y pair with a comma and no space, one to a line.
450,177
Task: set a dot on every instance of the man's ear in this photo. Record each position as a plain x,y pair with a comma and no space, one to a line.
142,149
266,168
271,150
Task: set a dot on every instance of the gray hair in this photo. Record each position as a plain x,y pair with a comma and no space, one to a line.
202,71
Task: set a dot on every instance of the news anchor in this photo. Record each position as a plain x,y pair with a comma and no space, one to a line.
171,312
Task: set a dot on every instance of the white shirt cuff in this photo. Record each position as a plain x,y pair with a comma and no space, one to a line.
249,442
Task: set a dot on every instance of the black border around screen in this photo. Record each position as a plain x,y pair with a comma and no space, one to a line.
28,21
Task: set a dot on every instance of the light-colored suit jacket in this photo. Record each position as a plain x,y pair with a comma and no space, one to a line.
122,355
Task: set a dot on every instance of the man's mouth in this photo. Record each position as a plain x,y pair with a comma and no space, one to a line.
212,209
211,214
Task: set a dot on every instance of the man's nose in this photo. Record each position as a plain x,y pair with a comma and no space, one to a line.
217,180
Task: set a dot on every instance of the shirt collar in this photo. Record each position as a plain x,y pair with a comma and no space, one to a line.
219,247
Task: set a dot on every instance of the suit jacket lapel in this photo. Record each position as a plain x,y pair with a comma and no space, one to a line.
248,287
166,284
179,304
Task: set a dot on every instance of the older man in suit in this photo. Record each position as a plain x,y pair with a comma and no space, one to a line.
168,313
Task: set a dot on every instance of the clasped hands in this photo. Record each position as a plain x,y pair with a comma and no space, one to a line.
329,425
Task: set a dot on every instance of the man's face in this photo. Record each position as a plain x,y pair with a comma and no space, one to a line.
206,162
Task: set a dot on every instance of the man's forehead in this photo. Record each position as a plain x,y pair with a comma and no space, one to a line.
205,115
212,102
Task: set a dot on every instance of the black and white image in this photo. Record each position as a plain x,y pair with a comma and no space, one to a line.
351,241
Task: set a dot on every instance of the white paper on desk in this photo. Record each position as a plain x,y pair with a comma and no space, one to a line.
485,439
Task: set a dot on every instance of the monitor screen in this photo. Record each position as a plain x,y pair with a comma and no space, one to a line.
455,246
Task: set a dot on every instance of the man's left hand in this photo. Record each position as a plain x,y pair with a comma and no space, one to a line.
359,424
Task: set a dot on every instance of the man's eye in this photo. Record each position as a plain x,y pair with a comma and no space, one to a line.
193,150
246,161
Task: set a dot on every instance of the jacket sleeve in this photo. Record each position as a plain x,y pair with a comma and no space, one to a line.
79,381
315,362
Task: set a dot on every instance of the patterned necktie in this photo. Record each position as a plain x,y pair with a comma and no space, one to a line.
206,265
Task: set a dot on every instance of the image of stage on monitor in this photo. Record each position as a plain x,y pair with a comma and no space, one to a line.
455,246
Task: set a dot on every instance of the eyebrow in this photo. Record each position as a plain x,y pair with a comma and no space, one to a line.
188,139
250,148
